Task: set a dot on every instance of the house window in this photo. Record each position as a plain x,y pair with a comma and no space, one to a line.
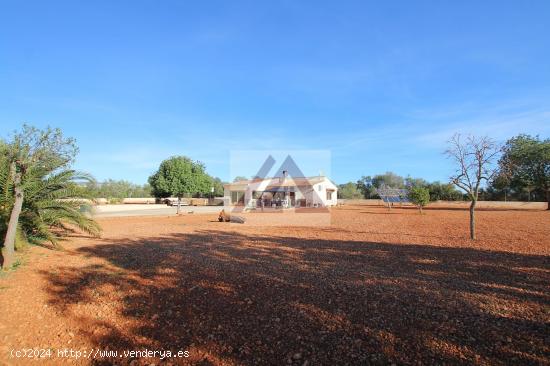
237,197
329,195
320,188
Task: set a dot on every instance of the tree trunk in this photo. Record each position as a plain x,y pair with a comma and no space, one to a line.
473,220
548,199
8,250
179,204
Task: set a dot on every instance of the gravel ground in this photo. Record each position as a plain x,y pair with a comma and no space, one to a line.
373,287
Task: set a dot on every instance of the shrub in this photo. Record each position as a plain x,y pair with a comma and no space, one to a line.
419,196
114,200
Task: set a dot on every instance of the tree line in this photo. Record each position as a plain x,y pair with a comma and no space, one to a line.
520,174
366,187
116,190
112,189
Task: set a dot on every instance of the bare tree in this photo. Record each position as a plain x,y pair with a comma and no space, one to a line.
474,158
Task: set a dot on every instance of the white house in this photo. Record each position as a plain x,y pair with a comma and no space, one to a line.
283,192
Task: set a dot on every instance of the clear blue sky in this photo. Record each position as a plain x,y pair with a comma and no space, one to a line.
381,85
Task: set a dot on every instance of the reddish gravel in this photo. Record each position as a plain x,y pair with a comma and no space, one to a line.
374,287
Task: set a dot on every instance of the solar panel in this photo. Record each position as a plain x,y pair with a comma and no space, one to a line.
393,195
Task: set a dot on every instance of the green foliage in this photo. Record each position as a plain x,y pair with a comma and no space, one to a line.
218,187
420,196
33,149
180,176
444,192
117,189
52,200
20,239
349,191
389,179
415,182
525,165
438,191
364,185
367,185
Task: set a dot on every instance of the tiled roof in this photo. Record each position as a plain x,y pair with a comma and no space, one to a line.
276,182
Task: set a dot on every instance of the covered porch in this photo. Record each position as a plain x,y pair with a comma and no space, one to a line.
277,197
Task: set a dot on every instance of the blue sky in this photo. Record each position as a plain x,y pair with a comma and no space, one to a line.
380,85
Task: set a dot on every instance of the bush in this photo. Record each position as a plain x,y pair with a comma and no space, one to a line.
114,200
349,191
444,192
420,196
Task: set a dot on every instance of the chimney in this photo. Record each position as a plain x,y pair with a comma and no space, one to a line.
283,177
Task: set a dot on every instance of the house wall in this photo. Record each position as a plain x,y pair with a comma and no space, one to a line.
317,196
334,187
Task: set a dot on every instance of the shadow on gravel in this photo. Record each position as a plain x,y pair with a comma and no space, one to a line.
274,300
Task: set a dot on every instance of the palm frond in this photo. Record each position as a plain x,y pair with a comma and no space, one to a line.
54,203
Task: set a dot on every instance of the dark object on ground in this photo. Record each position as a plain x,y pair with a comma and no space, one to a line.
225,217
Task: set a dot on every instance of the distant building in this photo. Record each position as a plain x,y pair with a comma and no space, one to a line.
282,192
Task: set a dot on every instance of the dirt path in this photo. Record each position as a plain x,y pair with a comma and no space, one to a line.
373,287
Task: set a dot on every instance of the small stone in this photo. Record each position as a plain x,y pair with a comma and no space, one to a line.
297,356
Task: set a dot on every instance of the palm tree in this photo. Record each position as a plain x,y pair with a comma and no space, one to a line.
40,198
54,204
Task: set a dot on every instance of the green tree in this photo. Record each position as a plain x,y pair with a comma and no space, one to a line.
364,185
142,191
525,162
499,187
367,185
415,182
180,176
117,189
419,196
39,196
473,158
443,192
349,191
218,187
388,179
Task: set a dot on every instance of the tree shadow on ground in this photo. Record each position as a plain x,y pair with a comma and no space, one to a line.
246,299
